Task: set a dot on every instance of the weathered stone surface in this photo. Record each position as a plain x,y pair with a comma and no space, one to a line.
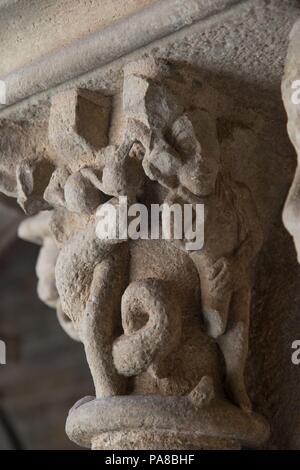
44,26
162,423
78,125
206,130
164,348
101,47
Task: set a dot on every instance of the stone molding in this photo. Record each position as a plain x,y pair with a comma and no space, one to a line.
100,48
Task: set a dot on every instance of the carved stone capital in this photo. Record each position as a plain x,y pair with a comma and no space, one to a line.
165,329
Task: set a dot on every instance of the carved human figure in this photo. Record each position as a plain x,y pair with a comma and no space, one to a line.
190,169
90,272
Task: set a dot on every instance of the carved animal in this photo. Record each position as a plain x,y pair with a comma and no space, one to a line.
232,237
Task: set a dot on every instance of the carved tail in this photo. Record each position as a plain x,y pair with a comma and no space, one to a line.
151,321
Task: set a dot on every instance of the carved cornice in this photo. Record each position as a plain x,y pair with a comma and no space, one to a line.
93,51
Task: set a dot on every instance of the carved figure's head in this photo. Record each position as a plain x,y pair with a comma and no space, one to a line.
186,160
199,153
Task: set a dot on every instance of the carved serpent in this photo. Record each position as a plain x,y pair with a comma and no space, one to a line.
152,327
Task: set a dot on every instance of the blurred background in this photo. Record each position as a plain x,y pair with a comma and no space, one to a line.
45,371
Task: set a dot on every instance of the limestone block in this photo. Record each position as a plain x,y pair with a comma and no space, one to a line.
78,125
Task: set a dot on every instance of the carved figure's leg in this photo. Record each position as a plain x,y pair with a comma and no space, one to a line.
101,318
215,307
234,346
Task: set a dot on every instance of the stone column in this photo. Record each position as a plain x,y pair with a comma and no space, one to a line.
152,116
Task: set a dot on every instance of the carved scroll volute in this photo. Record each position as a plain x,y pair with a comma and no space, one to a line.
291,98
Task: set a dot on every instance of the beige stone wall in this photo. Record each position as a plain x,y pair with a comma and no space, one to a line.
30,29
